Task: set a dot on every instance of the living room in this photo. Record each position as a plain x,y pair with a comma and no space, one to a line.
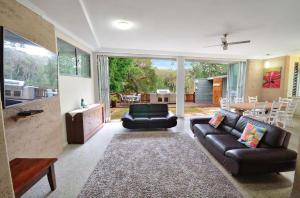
160,154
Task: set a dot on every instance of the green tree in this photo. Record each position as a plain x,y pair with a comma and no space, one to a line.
167,79
118,71
131,75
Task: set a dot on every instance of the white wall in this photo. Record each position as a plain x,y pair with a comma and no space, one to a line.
72,88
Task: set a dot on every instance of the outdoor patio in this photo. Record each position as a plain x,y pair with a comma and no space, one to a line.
191,109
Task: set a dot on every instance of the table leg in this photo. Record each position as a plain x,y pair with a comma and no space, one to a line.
51,177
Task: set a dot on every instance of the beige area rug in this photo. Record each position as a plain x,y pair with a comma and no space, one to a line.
156,164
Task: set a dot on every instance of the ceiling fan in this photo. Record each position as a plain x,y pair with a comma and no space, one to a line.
225,43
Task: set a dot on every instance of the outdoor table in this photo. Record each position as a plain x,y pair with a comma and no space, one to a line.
130,98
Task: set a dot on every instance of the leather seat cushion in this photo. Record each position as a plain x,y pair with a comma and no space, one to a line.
205,129
224,142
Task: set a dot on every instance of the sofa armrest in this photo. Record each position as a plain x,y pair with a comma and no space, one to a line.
262,155
171,115
127,116
201,120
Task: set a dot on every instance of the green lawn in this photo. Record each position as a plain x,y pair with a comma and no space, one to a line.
117,113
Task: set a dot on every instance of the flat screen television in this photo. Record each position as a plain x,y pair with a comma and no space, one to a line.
28,71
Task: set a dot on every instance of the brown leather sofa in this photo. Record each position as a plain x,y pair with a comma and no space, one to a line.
271,155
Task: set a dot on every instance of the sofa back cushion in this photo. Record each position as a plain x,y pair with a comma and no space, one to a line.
148,110
139,110
229,120
158,110
274,136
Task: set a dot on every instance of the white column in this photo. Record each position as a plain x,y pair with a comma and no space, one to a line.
180,87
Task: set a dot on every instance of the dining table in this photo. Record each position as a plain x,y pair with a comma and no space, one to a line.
246,106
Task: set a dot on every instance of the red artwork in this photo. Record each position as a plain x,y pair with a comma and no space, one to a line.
272,78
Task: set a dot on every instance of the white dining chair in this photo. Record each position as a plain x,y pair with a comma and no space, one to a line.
285,117
285,100
238,100
224,103
252,99
259,111
273,115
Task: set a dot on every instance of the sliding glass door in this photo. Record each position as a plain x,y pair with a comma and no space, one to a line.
236,80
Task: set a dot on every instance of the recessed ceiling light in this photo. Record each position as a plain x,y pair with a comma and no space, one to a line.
123,24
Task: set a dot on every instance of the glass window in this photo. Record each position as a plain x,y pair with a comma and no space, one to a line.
83,63
72,61
67,58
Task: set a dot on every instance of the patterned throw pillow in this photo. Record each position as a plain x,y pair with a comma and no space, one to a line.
217,119
252,135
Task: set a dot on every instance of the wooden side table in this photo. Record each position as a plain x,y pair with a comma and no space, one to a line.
25,172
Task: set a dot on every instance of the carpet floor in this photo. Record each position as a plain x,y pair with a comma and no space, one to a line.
156,164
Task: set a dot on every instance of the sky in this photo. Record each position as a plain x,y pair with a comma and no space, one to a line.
167,64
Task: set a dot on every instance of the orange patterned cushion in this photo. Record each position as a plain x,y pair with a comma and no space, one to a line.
252,135
217,119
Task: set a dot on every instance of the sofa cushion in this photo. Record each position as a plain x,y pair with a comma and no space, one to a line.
274,137
139,110
224,142
158,110
216,120
230,119
205,129
252,135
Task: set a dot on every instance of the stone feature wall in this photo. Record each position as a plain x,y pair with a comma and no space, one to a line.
5,180
36,136
26,23
40,135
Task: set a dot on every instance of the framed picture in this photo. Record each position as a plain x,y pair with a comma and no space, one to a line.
272,77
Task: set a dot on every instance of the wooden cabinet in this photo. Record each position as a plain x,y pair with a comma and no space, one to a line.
82,124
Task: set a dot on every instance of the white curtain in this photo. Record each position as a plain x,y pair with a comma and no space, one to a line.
103,82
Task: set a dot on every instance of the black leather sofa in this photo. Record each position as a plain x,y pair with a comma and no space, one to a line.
271,155
148,116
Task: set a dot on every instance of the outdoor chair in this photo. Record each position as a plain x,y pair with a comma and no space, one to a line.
137,98
123,100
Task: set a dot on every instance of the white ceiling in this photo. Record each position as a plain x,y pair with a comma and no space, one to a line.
180,27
